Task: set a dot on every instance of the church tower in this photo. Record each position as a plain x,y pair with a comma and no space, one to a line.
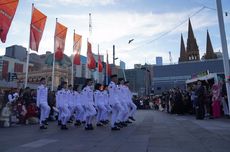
209,49
192,47
183,55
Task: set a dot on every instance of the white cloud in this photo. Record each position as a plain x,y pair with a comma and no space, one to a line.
85,2
117,28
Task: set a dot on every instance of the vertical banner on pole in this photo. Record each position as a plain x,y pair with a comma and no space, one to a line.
37,25
77,39
7,12
59,46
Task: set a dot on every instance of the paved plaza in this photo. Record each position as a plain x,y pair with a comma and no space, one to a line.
153,131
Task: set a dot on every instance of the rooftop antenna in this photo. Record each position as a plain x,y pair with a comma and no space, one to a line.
170,57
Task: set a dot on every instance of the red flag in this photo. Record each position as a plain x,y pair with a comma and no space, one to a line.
37,26
100,65
77,49
59,38
108,72
90,59
7,11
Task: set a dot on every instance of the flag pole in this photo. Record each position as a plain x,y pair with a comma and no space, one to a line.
86,65
28,52
106,68
72,81
98,64
52,87
224,45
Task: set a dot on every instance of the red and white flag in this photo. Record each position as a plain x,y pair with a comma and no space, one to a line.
59,40
91,63
7,11
37,26
77,39
100,65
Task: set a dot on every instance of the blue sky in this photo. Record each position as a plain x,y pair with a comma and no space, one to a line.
117,21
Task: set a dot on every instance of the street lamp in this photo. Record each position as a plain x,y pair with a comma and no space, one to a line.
146,83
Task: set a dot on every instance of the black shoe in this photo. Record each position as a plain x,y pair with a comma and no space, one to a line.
77,123
132,118
124,124
63,127
128,122
99,124
45,122
59,122
43,127
70,121
118,125
115,128
89,127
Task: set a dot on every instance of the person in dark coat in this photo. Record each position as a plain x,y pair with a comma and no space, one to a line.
199,109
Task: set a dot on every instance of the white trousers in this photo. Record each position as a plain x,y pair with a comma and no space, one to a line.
79,112
90,112
132,109
125,111
44,112
64,114
101,112
117,112
108,111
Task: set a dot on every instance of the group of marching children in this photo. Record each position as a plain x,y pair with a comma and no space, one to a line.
104,104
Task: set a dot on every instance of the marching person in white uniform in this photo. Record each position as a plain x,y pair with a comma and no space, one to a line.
64,106
114,102
71,101
123,102
100,104
42,103
131,105
90,111
106,104
79,110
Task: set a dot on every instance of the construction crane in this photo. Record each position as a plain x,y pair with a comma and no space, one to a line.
170,58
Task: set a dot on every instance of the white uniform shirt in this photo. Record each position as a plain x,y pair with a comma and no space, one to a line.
76,98
121,94
63,98
70,98
42,95
113,93
128,94
99,98
87,94
105,97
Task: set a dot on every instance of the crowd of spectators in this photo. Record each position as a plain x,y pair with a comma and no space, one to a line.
202,99
19,106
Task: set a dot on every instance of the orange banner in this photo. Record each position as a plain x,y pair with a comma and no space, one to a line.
100,65
77,39
108,72
7,11
59,37
37,26
90,59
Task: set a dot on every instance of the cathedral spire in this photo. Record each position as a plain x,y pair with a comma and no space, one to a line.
183,56
192,47
190,30
209,49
